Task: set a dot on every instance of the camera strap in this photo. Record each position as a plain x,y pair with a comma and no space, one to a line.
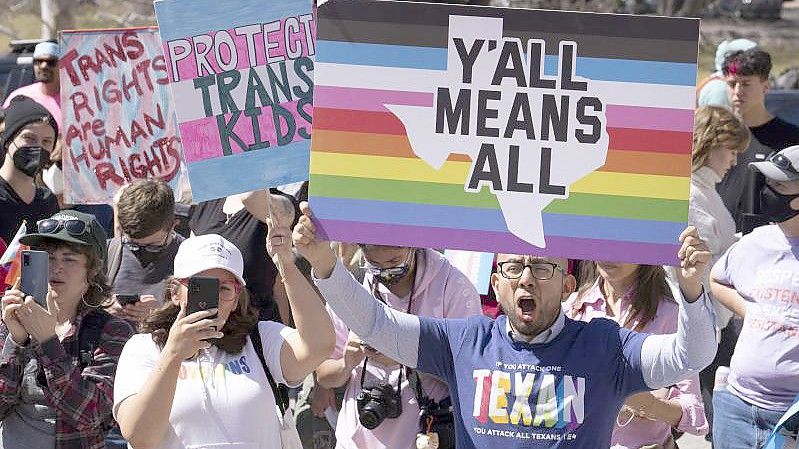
379,297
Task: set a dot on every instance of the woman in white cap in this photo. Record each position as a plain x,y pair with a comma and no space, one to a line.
196,380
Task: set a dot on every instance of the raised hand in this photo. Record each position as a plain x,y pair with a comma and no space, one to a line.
318,252
694,258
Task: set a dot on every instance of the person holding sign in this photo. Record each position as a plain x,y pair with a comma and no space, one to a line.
204,377
420,282
59,359
532,378
638,297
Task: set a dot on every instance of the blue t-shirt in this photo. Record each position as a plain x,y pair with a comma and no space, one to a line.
507,394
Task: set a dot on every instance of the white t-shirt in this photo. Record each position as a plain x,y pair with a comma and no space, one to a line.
233,408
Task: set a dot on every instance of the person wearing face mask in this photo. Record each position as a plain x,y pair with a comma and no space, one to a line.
29,136
416,281
758,279
141,259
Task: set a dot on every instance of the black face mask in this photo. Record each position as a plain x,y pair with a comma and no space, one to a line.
776,206
31,159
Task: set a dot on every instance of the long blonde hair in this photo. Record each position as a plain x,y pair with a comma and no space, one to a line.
716,127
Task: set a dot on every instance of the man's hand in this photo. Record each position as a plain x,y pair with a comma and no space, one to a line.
353,352
378,357
694,258
317,252
321,399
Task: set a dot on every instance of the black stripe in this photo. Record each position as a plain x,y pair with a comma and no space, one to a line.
618,25
436,36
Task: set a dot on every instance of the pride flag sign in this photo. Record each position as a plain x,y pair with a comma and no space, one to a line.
502,130
241,73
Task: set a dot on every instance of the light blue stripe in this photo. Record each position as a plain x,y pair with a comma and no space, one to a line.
579,226
599,69
180,19
253,170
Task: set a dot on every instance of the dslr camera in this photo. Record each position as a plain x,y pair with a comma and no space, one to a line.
378,403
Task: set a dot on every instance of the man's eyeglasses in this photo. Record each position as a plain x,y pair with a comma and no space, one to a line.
52,225
398,270
783,162
46,61
540,270
228,290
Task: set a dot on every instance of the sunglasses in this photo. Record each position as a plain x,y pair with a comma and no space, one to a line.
73,227
133,246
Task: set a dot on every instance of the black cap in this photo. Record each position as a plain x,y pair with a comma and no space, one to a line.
94,234
21,111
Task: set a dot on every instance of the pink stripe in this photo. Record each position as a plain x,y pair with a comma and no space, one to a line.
661,119
367,99
201,137
632,117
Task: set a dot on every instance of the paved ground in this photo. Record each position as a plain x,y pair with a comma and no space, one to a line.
692,442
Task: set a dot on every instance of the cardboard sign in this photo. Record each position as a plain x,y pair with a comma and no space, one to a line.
502,130
118,113
242,75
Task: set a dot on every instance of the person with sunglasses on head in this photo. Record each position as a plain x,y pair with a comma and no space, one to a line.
197,379
416,281
531,378
638,297
142,258
758,279
25,144
57,363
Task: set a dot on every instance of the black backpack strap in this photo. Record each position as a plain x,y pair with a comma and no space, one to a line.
114,259
279,391
91,329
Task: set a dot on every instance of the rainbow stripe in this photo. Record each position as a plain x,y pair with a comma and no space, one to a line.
367,184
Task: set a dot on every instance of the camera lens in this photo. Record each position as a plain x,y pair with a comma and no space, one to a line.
370,417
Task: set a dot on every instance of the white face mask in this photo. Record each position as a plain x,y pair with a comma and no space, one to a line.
53,178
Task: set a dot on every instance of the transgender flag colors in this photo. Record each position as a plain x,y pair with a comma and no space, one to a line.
374,172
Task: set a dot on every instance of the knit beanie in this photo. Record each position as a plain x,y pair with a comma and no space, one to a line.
21,111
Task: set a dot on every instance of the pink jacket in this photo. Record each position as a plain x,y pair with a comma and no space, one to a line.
640,432
440,291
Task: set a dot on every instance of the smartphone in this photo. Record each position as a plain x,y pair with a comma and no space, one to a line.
124,300
203,294
35,275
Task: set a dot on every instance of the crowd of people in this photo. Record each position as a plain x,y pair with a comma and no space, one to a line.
390,344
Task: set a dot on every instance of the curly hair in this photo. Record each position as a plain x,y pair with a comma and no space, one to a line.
747,63
717,128
236,329
99,292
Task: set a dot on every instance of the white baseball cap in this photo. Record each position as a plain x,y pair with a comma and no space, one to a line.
205,252
782,166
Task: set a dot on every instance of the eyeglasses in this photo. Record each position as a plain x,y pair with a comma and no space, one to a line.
47,61
541,270
228,290
52,225
783,162
398,270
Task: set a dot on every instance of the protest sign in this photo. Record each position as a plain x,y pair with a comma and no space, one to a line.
243,74
503,130
476,266
118,113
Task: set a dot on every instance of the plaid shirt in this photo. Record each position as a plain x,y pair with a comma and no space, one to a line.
82,399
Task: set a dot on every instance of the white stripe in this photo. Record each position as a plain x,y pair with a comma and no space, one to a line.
423,80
